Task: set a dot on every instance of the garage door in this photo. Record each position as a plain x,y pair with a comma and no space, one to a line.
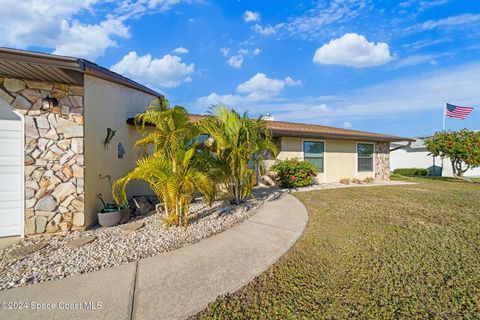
11,176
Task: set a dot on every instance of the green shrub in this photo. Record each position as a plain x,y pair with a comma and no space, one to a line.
411,171
293,173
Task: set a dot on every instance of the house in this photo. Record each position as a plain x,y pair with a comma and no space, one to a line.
55,113
413,154
64,140
337,153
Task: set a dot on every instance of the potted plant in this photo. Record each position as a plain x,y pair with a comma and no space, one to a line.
112,214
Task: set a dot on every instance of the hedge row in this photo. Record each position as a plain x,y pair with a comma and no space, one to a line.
411,171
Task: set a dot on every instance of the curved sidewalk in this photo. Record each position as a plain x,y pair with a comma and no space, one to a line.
172,285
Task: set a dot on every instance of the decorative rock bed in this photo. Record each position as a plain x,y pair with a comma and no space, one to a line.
31,261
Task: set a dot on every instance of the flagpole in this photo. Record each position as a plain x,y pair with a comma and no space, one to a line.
444,115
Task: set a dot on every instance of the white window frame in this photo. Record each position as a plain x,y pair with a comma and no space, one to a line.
324,152
373,155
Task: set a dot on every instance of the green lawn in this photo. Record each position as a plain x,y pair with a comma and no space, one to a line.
410,252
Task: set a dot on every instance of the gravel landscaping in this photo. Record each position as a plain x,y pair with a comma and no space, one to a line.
47,257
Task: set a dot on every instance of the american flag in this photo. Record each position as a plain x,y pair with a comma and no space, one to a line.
457,111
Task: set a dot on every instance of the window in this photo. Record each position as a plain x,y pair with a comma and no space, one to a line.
365,156
313,152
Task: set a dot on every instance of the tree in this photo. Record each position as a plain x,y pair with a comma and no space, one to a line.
170,163
237,144
461,147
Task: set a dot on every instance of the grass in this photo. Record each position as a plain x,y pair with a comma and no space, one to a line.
410,252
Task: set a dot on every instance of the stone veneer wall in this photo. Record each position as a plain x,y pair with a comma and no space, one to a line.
54,156
382,161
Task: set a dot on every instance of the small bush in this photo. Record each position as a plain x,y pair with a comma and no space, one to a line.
357,181
345,181
368,180
411,171
293,173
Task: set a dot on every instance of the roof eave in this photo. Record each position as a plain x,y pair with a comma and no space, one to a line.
71,69
323,135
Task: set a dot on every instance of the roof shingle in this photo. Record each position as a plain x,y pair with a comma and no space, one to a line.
295,129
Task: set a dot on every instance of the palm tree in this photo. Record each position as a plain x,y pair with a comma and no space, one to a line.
238,145
171,127
171,167
174,182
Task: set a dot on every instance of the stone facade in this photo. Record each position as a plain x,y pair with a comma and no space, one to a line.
382,161
54,153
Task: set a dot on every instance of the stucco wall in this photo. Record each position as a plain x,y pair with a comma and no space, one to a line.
108,105
340,159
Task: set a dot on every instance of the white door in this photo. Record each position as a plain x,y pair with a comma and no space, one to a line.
11,173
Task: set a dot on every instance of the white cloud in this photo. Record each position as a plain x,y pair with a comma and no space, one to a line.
168,71
353,50
232,100
257,88
250,16
424,43
325,19
453,21
236,61
265,31
225,51
137,8
61,25
321,107
180,50
411,94
89,41
262,87
414,60
347,125
415,94
426,5
52,24
422,93
36,22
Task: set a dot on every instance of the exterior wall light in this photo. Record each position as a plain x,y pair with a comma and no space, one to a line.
49,103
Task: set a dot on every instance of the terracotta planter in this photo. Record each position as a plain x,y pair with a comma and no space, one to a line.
110,219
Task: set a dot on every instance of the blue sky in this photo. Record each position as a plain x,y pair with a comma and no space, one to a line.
383,66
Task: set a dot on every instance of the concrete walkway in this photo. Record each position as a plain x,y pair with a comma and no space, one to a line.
173,285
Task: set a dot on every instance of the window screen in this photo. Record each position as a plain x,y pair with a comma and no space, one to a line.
313,152
365,157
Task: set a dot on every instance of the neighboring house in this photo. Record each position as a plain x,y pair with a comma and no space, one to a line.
413,154
337,153
54,116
